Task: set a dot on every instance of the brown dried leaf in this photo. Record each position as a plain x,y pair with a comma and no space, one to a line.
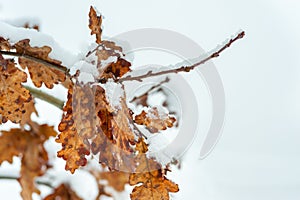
11,145
26,117
157,188
73,149
107,49
39,72
63,192
116,146
90,124
4,44
154,120
116,69
112,46
115,179
29,146
154,184
95,22
13,96
23,47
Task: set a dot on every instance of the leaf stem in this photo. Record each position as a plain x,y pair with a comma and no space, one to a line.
184,68
44,62
46,97
48,184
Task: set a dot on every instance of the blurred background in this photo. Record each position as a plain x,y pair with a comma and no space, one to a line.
257,156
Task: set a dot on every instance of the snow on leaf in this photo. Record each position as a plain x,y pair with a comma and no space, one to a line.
39,72
29,146
155,120
110,63
95,22
105,50
13,96
63,192
149,180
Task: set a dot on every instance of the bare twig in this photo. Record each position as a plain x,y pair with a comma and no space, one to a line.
145,94
44,62
46,97
184,68
90,52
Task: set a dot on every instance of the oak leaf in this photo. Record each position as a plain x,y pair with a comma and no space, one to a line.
90,124
63,192
95,22
154,120
26,117
114,68
13,96
115,179
115,140
105,50
151,176
39,71
4,44
74,149
29,146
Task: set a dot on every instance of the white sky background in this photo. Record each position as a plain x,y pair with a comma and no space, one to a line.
258,154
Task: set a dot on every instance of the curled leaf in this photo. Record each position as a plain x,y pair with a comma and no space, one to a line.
110,63
155,120
95,22
116,69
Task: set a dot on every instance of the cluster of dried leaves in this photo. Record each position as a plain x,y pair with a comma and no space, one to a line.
90,124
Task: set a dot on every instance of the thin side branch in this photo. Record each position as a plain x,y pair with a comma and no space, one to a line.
48,184
145,94
46,97
184,68
44,62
